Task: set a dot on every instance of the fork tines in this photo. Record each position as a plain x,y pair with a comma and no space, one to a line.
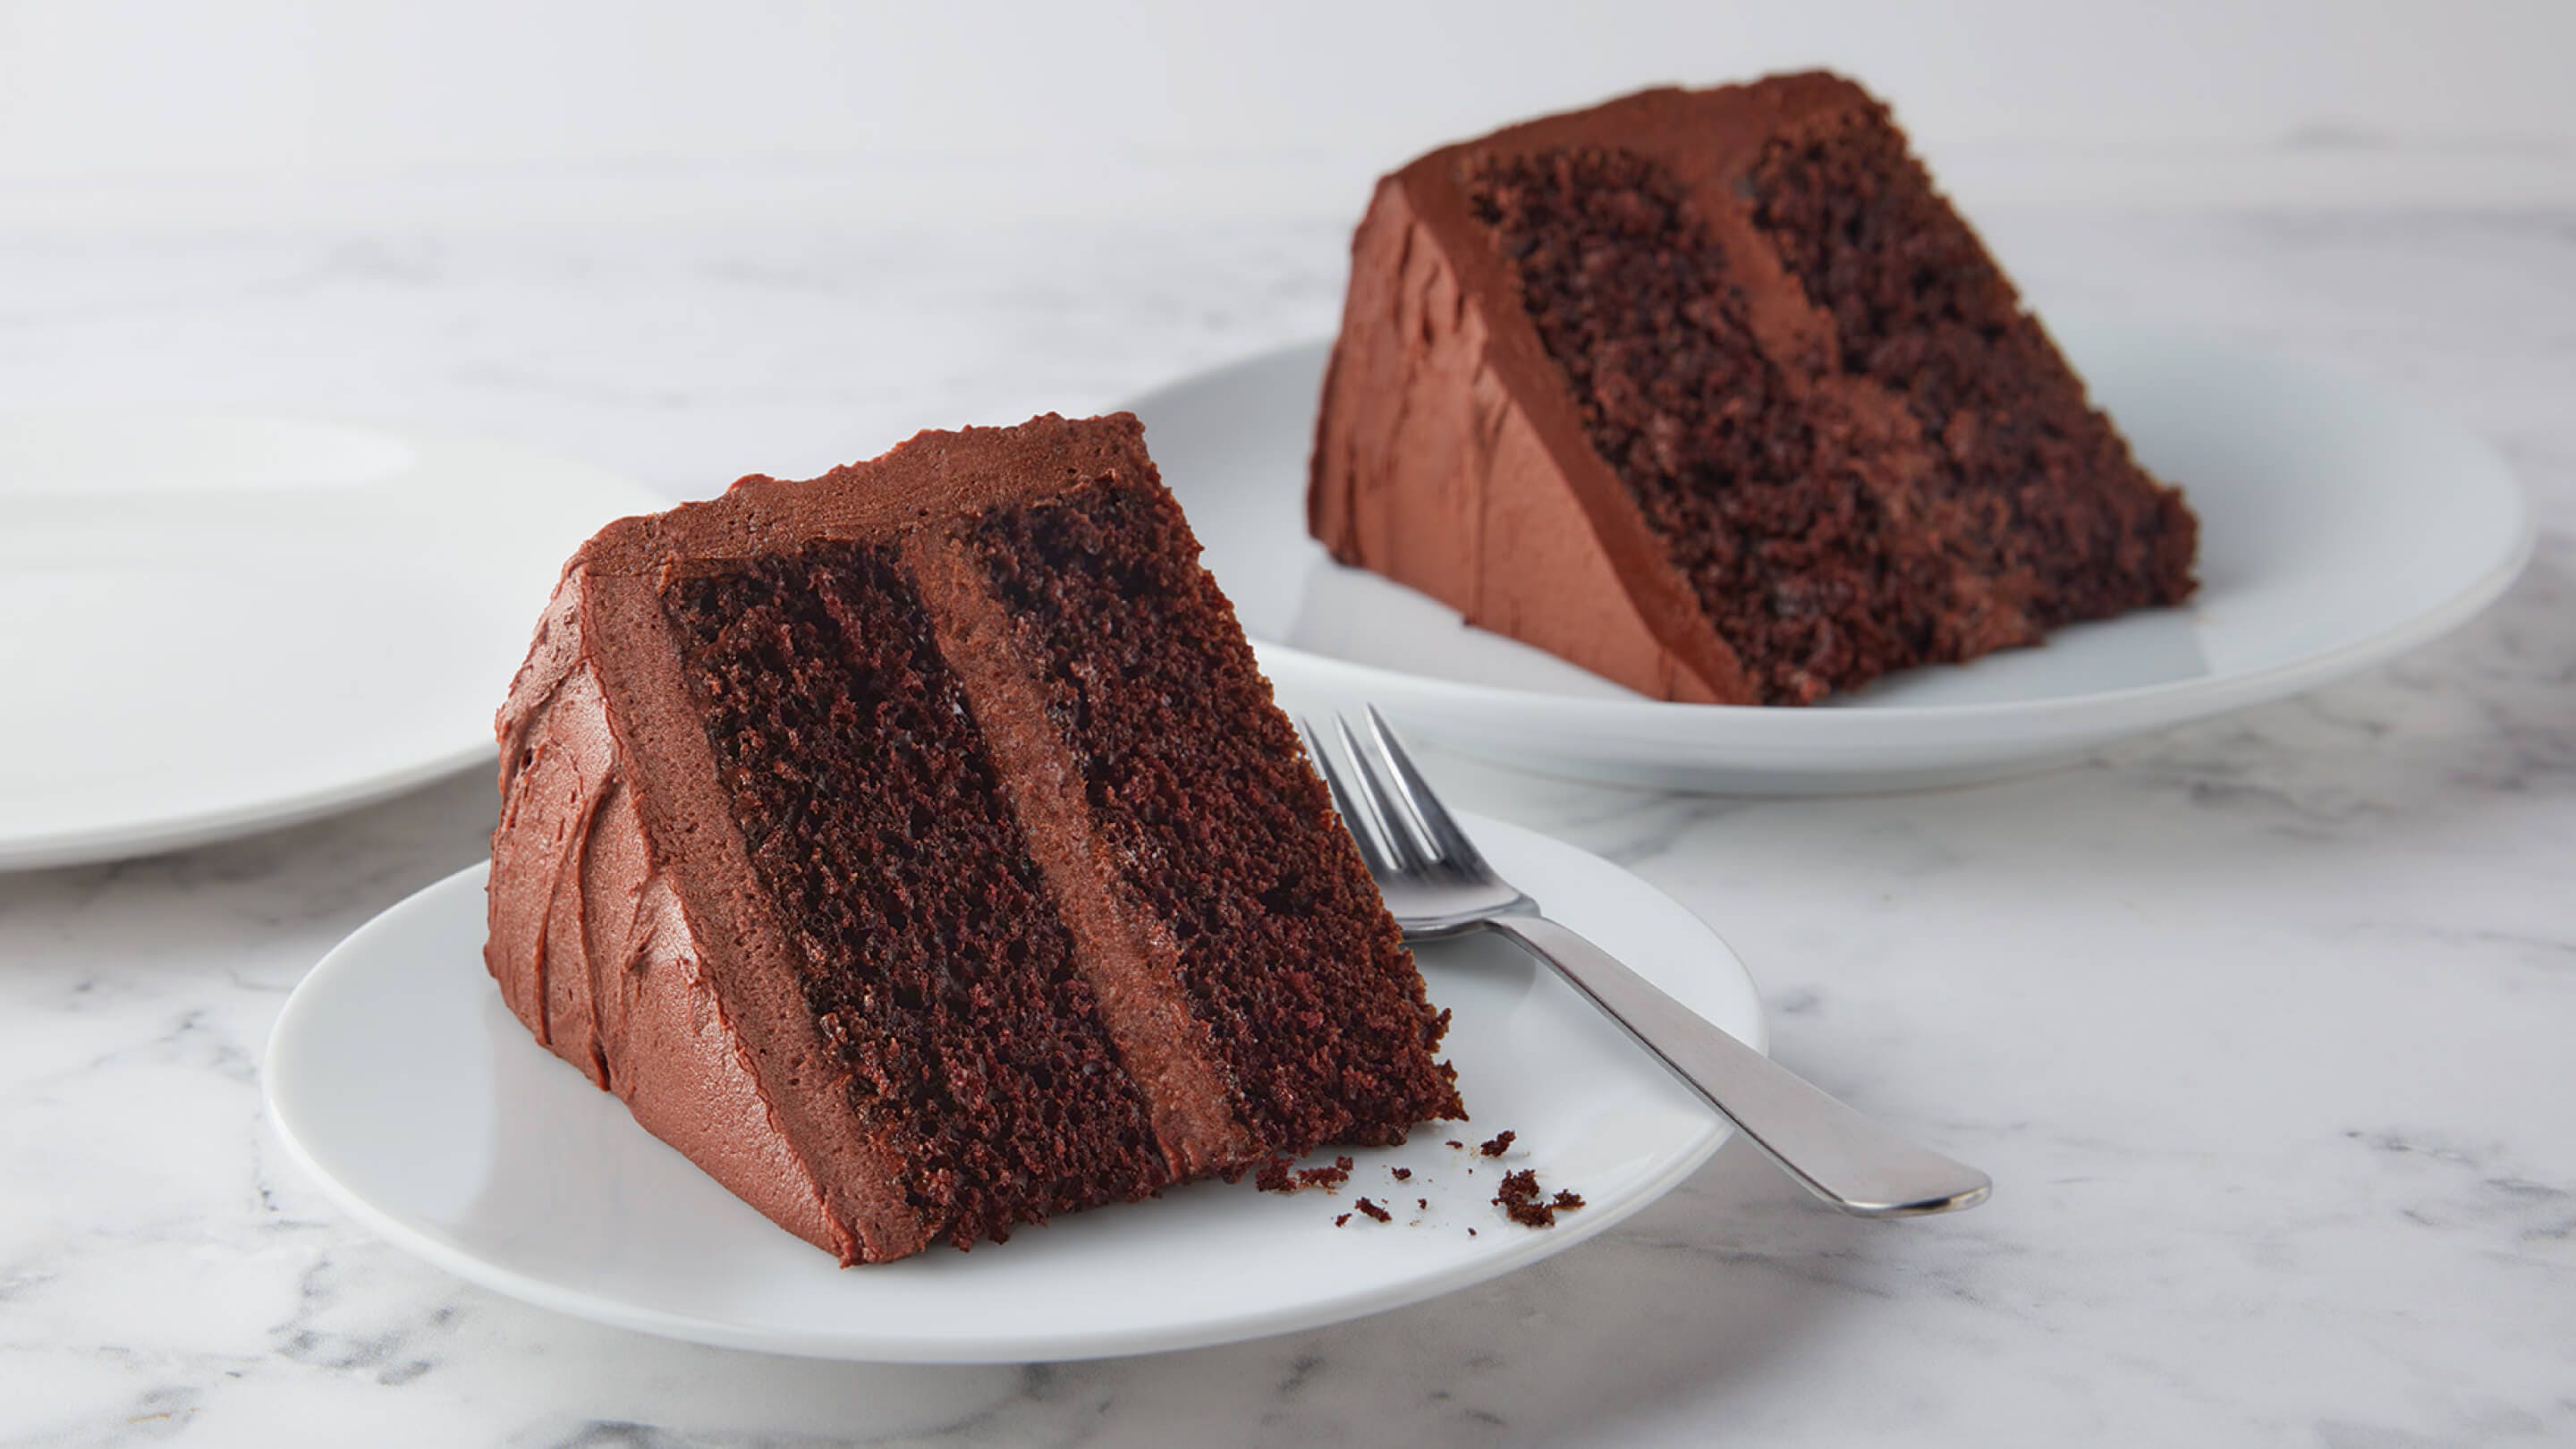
1399,824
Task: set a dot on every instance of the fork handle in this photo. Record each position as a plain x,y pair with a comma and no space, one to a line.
1835,1152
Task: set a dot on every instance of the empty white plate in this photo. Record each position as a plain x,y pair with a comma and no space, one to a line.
2339,526
212,623
397,1076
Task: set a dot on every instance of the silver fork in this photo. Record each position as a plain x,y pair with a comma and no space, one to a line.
1437,884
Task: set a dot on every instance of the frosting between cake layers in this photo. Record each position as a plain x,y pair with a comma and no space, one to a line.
1126,957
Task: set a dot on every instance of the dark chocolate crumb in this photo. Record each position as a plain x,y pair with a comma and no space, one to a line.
1275,1176
1471,1232
1337,1222
1373,1210
1501,1144
1454,1142
1401,1174
1423,1203
1521,1201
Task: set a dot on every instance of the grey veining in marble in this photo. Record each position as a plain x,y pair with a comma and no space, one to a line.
2262,1027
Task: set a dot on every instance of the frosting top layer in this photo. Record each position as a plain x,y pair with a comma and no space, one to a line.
935,475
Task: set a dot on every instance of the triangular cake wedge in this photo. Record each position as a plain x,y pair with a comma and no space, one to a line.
1712,393
918,849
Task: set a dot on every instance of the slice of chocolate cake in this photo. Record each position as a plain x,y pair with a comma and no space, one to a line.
1711,393
918,849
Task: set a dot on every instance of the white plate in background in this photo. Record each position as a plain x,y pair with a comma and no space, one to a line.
396,1075
2340,525
212,623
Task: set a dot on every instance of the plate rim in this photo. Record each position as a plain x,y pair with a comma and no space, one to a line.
2122,711
442,1251
129,841
148,834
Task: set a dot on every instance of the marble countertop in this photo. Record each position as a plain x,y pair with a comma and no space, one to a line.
2261,1026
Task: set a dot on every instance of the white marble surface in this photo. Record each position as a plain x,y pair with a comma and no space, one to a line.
2261,1027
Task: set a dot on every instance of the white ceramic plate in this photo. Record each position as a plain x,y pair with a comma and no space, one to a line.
212,623
397,1076
2339,526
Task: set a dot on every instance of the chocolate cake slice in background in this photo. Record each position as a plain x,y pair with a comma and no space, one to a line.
1711,393
918,849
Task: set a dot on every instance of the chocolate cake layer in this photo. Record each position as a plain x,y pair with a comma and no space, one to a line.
928,951
1218,833
1712,393
798,856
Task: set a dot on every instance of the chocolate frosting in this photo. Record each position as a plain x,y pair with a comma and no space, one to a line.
593,950
1450,456
627,931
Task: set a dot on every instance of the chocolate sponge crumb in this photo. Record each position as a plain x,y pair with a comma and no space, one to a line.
1400,1174
1337,1222
1501,1144
1521,1201
1275,1176
1373,1210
